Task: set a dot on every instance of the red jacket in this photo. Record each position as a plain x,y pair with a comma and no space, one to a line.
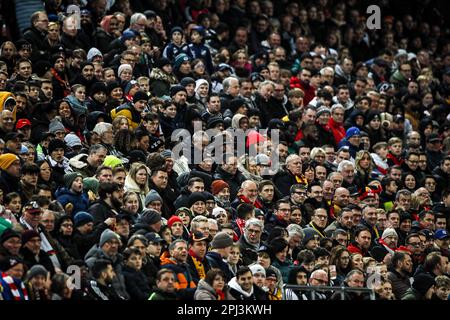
337,129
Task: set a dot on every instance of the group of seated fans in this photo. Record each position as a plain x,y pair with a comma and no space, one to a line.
224,150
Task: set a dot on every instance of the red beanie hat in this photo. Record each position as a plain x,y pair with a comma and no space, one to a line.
174,219
218,185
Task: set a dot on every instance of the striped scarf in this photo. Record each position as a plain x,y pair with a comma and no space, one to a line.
198,265
17,295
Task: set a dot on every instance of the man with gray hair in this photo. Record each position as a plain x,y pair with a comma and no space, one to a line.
347,169
87,164
138,23
296,235
354,279
292,174
250,240
230,91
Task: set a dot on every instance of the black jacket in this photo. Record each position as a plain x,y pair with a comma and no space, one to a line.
97,291
283,180
44,260
101,211
136,283
9,183
249,254
39,45
84,242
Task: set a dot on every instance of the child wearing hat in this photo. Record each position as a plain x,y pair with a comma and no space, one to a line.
72,196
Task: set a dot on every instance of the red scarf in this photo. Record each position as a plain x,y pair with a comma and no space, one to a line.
256,204
397,161
220,295
61,81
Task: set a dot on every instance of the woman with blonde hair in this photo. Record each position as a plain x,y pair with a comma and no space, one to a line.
364,166
137,181
318,155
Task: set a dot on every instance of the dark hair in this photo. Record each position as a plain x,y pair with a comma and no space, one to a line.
212,274
243,209
242,270
306,256
107,187
431,261
292,278
99,266
10,196
396,258
130,251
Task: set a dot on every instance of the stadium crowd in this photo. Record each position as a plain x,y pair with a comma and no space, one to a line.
97,205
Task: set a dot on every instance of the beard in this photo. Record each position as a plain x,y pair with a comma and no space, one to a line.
116,203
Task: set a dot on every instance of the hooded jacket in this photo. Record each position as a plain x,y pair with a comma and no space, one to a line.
80,201
118,283
237,293
136,283
160,82
79,164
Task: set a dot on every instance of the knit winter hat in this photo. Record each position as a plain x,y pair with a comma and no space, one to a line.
92,53
322,110
140,95
177,88
188,80
176,29
389,232
130,85
82,218
36,270
72,140
91,184
69,178
123,67
127,35
194,197
9,234
214,121
423,282
218,185
98,87
9,262
174,219
221,240
161,62
106,236
6,160
55,144
149,216
218,210
56,125
310,233
112,161
199,82
235,104
179,59
257,268
152,196
28,235
353,131
167,154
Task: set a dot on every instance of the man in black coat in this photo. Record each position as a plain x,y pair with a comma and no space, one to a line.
159,182
108,206
36,35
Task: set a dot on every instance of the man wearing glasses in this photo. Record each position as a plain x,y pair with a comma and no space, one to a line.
319,278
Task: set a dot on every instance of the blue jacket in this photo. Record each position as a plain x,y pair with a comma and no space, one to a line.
80,201
200,51
352,149
172,50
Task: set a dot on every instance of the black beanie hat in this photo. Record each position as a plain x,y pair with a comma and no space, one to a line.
423,282
161,62
277,245
8,234
98,87
235,104
187,80
196,196
176,88
56,144
140,95
113,85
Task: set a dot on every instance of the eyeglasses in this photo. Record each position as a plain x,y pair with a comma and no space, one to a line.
321,217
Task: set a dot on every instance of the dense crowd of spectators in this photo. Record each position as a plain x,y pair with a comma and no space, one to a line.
92,100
